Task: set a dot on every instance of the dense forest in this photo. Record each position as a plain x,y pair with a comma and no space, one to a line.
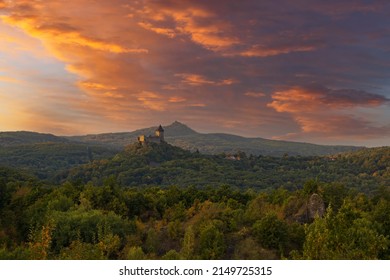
162,202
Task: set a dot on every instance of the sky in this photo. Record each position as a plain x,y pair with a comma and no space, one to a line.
304,70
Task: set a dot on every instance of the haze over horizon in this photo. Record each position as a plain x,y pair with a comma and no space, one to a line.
307,71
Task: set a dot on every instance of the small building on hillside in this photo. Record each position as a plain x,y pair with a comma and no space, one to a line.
158,137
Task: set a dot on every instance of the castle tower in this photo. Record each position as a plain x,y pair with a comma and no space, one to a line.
160,133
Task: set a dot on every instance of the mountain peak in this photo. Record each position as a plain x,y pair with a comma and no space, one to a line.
176,123
178,129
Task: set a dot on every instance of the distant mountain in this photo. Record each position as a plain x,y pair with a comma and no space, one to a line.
26,137
46,155
173,132
181,135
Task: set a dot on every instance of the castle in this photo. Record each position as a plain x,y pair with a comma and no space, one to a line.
158,137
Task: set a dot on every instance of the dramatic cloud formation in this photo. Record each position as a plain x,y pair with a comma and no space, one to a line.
246,67
327,112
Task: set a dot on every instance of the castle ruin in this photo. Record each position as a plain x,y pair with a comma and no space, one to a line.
158,137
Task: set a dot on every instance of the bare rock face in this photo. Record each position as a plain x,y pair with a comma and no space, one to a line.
316,206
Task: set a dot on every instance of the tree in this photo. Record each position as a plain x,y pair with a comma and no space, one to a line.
344,235
310,187
271,232
136,253
211,243
187,249
171,255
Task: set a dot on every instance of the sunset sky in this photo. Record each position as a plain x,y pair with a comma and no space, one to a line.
303,70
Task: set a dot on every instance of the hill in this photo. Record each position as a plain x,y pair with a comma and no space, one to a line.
48,160
166,165
180,135
26,137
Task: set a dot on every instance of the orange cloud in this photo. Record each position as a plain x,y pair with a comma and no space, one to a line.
9,80
317,98
261,51
176,99
199,80
96,86
169,32
195,80
190,20
34,28
152,100
15,41
198,105
227,82
323,111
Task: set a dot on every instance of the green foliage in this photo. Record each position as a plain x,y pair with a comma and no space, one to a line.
136,253
271,232
171,255
19,253
249,249
51,160
88,226
160,202
343,235
165,165
78,250
211,243
310,187
188,247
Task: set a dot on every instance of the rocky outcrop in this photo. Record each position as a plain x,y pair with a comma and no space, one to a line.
316,206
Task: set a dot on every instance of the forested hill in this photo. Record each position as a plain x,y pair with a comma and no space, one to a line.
166,165
15,138
180,135
48,160
57,159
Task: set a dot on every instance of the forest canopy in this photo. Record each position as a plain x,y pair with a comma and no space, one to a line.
162,202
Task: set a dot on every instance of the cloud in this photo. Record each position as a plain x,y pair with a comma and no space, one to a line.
201,105
9,80
255,94
199,80
176,99
152,100
219,27
195,80
203,26
169,32
316,97
61,36
122,65
323,111
259,51
97,86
